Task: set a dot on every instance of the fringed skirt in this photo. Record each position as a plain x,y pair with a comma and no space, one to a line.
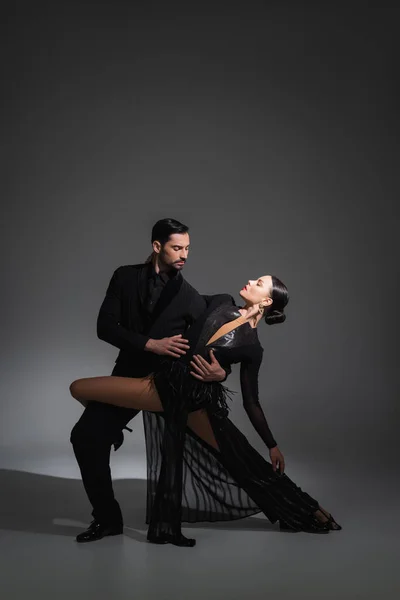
190,481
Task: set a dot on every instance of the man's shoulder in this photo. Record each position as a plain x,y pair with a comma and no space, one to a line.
219,298
188,286
128,270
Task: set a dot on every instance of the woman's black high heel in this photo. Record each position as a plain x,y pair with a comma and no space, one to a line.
283,526
332,524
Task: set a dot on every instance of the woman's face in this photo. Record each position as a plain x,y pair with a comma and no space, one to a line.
258,291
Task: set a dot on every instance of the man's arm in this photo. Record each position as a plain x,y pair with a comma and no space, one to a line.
108,321
207,298
110,330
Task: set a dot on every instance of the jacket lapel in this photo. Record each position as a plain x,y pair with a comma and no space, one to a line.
138,317
143,275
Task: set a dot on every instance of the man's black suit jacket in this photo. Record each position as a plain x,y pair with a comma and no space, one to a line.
124,322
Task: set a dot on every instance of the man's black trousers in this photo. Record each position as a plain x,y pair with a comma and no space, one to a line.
99,427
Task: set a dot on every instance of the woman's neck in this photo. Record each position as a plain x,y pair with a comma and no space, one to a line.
251,314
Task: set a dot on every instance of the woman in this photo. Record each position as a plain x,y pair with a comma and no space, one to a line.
200,466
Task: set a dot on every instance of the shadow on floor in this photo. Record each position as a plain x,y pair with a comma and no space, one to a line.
41,503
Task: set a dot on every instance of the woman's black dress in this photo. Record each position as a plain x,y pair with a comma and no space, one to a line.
189,480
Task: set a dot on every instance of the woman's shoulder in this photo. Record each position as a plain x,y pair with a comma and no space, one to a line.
252,349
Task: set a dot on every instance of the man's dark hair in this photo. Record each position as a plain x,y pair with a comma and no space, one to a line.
164,228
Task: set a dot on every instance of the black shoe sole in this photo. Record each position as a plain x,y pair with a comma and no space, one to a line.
181,541
97,538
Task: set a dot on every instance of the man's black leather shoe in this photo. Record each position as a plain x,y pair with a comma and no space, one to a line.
97,530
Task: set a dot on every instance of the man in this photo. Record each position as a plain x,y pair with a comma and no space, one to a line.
146,310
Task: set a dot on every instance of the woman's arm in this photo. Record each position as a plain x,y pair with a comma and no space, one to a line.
249,381
249,370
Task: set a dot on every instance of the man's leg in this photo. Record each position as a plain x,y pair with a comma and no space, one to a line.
99,427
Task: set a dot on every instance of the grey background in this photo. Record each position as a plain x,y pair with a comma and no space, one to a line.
271,129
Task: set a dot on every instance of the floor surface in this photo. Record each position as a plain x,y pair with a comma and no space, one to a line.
41,514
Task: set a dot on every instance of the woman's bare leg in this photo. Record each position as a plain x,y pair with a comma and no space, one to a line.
128,392
199,422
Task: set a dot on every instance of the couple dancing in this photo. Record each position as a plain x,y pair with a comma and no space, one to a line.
176,349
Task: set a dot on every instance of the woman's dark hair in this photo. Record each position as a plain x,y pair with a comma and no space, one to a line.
166,227
280,297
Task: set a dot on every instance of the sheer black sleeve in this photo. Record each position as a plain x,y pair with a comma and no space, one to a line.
249,383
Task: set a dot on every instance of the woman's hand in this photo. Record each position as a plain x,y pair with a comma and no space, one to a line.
277,459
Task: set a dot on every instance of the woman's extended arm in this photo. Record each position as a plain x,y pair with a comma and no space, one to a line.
249,384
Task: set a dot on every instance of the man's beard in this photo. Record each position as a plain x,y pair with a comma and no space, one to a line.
177,267
171,266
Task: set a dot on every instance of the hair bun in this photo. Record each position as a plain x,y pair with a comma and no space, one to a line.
275,316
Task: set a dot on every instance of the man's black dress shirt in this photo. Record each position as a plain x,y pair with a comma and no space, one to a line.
155,285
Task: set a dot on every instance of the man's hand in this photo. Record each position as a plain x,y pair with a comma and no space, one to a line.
207,371
169,346
277,460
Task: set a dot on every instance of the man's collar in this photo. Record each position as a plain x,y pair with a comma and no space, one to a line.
164,275
151,272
